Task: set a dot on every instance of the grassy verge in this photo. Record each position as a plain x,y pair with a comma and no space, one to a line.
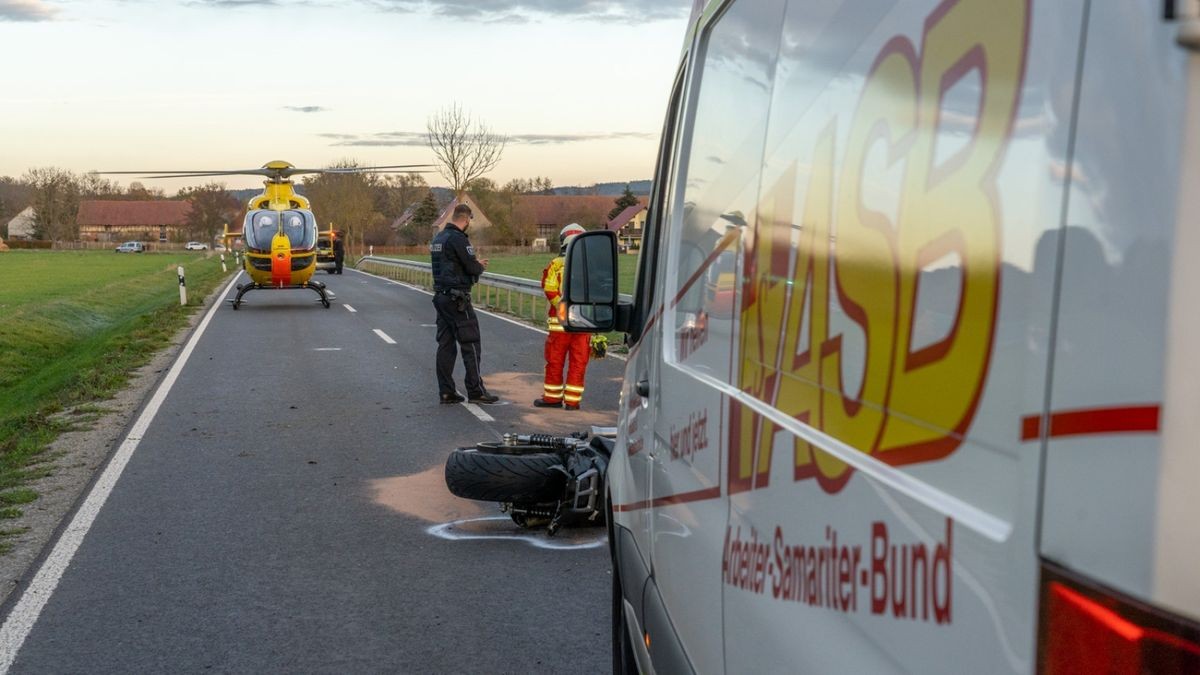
73,325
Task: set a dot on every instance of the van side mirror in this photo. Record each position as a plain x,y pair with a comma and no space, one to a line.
590,303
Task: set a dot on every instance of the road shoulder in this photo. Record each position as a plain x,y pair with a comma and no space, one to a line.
76,457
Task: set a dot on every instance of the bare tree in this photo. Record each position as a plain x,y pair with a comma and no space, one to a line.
211,207
55,201
346,201
465,147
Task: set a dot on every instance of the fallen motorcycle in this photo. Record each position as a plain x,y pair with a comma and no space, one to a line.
539,480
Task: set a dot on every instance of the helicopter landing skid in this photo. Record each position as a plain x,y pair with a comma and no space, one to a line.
315,286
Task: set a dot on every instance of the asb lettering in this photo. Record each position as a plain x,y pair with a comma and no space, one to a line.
834,260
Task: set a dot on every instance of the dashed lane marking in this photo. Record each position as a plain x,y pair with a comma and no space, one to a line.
25,613
478,412
384,336
350,309
328,349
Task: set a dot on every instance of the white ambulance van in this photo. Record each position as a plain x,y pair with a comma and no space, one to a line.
915,372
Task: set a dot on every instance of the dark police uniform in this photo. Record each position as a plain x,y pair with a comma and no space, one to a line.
339,253
455,269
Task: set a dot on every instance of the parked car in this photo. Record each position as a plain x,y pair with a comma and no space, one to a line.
930,405
195,246
131,247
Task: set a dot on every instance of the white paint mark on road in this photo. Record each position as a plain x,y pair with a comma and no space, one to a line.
478,412
384,336
350,309
429,325
457,531
328,349
25,614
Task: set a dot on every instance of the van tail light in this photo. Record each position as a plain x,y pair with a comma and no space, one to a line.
1085,628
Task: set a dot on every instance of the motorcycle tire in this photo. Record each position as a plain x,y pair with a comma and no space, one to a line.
496,477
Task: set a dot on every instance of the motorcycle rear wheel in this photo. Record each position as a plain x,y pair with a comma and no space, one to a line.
473,473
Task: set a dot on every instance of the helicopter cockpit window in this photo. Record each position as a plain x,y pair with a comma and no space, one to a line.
301,228
261,226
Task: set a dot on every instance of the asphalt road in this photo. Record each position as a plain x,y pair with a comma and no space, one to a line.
276,514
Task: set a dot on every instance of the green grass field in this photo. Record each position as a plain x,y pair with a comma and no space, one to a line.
73,325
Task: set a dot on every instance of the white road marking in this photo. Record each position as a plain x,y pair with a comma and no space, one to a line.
514,322
447,531
25,614
384,336
350,309
328,349
478,412
429,325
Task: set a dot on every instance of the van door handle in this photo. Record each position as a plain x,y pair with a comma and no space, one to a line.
643,388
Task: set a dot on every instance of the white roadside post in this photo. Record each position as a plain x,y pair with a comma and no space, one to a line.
371,248
182,287
223,267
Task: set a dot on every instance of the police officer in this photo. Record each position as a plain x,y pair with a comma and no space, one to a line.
455,270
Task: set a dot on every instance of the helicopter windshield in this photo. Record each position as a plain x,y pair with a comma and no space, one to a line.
299,226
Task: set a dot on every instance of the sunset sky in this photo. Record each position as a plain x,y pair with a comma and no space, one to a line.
580,86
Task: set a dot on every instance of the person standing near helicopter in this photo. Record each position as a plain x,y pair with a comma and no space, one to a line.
339,251
455,270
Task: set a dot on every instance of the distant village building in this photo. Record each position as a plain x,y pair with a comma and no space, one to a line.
160,220
405,218
22,225
629,225
550,213
478,222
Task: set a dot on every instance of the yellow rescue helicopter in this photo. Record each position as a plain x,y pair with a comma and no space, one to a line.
279,232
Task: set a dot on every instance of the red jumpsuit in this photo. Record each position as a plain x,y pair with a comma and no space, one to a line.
562,346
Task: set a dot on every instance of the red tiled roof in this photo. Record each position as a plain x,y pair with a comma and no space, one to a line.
563,209
625,216
133,213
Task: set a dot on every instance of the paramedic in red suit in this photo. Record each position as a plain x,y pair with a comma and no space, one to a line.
562,348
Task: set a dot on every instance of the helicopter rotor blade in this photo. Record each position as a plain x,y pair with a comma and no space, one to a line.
357,169
174,174
272,173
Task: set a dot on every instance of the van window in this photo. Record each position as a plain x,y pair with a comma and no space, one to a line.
720,181
651,232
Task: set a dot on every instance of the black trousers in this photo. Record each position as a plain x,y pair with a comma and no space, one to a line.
457,328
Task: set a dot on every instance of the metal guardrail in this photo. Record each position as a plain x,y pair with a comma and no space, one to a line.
494,291
513,295
489,279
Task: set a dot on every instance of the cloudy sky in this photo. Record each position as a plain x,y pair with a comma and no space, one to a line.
580,86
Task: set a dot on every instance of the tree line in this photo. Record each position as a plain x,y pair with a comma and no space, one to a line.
55,195
370,209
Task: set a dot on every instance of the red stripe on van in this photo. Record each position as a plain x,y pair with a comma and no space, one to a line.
1126,419
681,498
